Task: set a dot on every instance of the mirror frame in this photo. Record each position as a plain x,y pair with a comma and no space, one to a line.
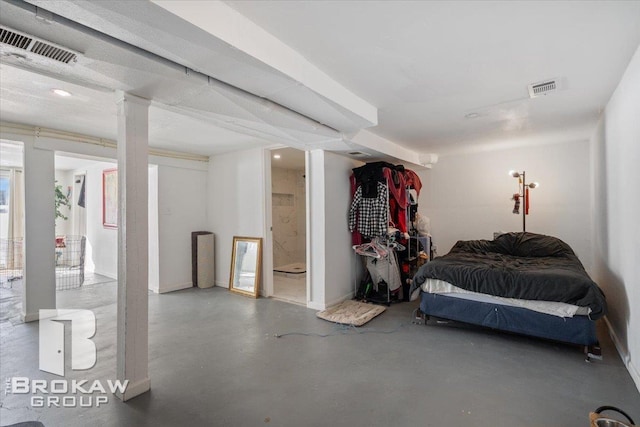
256,287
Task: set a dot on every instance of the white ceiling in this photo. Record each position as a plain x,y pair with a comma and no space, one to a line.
26,97
424,65
188,113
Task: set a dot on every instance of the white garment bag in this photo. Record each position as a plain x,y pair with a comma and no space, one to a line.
385,268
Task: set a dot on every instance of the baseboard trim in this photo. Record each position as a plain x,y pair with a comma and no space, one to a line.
340,299
323,306
316,306
30,317
624,354
110,276
175,287
222,284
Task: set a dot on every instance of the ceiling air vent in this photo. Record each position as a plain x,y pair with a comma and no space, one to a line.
53,52
543,88
359,154
40,47
14,39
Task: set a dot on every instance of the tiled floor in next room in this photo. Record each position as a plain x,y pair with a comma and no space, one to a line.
290,287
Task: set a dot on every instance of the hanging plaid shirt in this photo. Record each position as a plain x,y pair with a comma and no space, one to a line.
370,214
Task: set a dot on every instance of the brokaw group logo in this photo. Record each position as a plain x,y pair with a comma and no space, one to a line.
63,393
83,350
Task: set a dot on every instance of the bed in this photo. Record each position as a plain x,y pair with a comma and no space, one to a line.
523,283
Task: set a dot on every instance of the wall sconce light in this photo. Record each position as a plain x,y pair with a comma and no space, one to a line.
523,193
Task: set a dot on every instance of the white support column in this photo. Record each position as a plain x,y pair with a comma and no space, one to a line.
39,231
133,244
316,229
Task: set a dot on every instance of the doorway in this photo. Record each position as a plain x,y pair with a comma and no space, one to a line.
86,251
11,229
86,240
289,231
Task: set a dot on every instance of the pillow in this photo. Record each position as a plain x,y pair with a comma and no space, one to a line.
475,246
532,245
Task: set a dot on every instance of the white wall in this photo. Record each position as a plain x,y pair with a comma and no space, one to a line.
237,208
154,241
177,206
102,243
236,203
340,259
182,208
467,196
616,153
332,266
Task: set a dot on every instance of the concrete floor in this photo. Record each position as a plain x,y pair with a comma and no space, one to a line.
214,361
11,294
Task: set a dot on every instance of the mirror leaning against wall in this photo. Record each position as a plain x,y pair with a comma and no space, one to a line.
246,259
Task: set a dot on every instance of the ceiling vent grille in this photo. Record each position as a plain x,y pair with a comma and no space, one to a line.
14,39
359,154
543,88
40,47
53,52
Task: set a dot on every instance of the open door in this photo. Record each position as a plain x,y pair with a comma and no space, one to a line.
288,225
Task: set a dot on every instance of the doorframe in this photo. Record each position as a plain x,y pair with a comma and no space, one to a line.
267,250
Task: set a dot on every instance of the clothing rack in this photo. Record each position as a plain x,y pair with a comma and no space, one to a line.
388,254
394,181
380,253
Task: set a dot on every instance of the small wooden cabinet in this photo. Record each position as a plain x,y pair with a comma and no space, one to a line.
202,259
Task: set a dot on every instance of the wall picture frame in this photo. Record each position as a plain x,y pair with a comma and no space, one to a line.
110,198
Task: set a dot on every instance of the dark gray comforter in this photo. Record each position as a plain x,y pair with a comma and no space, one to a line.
518,265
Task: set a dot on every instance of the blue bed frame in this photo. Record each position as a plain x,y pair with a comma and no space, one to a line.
574,330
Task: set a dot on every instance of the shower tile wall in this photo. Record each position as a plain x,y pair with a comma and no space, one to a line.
289,228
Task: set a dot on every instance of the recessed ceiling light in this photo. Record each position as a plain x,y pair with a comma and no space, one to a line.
276,156
61,92
472,115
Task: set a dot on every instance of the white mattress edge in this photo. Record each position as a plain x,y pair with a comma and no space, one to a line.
554,308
